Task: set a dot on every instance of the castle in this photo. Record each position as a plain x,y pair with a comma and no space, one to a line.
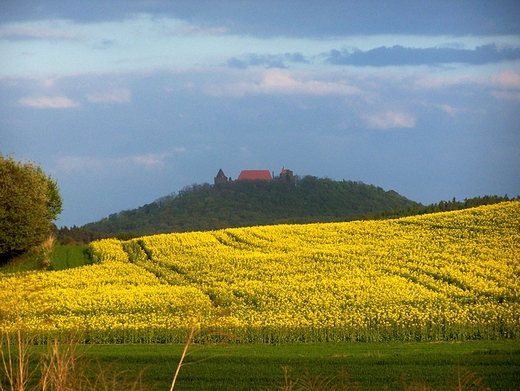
255,175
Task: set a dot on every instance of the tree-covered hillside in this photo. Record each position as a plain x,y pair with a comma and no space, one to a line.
248,203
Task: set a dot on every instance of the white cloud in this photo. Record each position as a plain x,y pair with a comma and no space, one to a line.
190,29
506,95
502,85
70,164
508,83
45,102
390,119
148,160
121,95
508,79
450,110
442,82
278,81
35,33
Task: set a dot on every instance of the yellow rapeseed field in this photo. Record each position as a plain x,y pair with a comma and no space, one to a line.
453,275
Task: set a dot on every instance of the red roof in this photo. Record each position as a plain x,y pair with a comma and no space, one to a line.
255,174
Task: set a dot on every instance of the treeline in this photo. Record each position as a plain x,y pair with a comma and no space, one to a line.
202,207
441,206
81,235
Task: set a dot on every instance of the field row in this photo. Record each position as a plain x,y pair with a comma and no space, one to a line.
443,276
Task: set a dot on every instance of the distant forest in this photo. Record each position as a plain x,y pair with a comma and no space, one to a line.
249,203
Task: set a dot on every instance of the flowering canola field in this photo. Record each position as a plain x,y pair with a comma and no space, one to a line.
453,275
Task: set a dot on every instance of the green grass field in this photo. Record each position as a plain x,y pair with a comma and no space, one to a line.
369,366
66,257
463,366
62,257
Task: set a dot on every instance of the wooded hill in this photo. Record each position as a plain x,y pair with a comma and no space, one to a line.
248,203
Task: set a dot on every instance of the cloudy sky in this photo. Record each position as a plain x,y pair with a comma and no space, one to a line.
126,101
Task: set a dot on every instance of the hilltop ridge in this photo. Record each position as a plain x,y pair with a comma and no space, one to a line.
241,203
253,202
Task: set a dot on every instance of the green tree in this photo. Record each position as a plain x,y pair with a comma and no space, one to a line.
29,202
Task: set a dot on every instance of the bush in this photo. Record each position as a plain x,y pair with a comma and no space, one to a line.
29,202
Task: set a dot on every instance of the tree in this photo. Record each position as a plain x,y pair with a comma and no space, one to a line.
29,202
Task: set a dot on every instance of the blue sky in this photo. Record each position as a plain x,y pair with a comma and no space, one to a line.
123,102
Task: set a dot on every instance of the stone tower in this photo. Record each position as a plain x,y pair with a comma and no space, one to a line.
286,176
221,178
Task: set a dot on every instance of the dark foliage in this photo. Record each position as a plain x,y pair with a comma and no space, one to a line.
29,202
247,203
201,207
441,206
76,235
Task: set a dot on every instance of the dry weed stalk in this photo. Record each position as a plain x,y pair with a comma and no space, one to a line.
44,252
15,361
311,382
15,342
465,380
59,369
184,352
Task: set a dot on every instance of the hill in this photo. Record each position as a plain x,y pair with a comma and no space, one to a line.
249,203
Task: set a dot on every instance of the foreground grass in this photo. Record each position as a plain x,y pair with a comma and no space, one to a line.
66,257
61,258
368,366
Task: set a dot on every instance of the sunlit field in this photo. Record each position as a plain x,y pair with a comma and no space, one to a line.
439,277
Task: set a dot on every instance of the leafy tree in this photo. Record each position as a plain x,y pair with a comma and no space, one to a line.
29,202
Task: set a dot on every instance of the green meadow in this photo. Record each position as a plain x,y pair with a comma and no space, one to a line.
470,365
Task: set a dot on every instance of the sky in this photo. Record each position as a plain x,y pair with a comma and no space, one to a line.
123,102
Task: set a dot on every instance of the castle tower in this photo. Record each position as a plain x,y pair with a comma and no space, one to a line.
286,175
221,178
